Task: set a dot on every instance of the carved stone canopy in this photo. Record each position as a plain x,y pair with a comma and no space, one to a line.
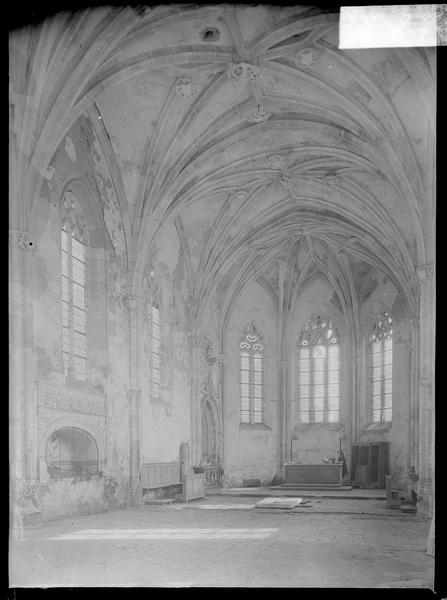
72,215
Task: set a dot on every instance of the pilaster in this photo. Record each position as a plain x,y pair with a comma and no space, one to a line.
426,389
23,407
195,346
134,304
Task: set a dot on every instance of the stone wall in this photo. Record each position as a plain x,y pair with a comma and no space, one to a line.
251,450
314,442
98,404
385,297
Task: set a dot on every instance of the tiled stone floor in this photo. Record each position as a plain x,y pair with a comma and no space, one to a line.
227,542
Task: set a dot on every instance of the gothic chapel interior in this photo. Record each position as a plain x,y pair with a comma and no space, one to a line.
222,245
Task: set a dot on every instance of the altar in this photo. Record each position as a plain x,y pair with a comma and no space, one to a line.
317,474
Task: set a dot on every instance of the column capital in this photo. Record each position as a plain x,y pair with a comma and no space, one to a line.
24,240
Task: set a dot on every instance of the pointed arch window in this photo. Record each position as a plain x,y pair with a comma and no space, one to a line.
252,376
74,293
381,368
319,372
154,339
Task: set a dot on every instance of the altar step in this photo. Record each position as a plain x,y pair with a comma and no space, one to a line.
352,493
310,486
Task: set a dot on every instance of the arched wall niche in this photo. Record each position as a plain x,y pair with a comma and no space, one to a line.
95,427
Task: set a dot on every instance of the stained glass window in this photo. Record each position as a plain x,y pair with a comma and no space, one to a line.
381,368
319,372
73,292
251,376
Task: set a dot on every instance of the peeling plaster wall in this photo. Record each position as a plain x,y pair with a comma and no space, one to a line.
386,296
313,442
107,338
251,450
166,421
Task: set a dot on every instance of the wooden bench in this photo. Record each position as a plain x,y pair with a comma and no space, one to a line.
155,476
159,475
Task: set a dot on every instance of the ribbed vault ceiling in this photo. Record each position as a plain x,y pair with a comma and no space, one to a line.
335,180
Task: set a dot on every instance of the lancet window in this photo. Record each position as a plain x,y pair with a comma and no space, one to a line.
319,372
381,368
74,293
251,376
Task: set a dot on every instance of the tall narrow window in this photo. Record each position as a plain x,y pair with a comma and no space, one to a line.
252,375
73,272
381,357
154,349
319,372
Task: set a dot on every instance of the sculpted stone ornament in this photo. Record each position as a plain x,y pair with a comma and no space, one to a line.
243,72
425,273
259,117
208,351
285,181
194,340
278,162
23,240
331,178
306,57
241,194
61,400
207,388
72,215
186,87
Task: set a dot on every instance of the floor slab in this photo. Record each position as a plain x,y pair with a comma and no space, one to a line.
185,545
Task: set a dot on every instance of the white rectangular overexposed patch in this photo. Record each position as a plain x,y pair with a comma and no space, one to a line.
394,26
194,533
